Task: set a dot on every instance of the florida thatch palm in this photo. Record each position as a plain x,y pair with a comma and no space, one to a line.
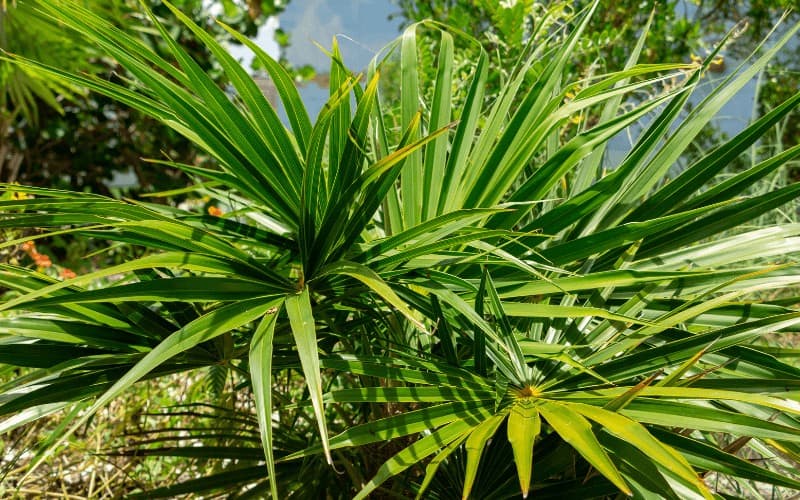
483,276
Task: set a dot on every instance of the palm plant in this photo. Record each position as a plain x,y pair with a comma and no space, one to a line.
474,290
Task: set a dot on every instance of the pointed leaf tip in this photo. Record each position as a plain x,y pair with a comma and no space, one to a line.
524,424
474,446
301,320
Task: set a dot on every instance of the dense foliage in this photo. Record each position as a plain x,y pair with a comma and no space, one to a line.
681,30
443,295
55,136
59,136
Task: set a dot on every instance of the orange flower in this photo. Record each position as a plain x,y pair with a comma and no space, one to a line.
215,211
42,260
29,248
67,274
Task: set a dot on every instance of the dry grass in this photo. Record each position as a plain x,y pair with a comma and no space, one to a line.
85,469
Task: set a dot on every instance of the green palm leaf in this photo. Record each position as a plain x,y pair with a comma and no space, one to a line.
451,263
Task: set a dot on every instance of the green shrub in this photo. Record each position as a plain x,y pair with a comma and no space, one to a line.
481,293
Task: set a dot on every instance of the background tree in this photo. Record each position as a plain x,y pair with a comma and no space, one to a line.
46,123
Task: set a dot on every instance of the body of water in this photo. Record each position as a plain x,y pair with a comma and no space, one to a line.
364,27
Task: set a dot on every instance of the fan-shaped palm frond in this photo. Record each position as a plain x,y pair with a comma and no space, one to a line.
449,284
